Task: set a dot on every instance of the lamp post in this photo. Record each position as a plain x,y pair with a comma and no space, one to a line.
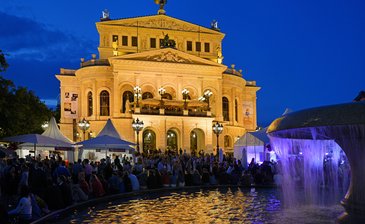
137,126
45,125
205,97
84,125
137,93
185,94
161,91
217,129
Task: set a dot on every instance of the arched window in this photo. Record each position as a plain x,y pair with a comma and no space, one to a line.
227,141
127,95
225,105
147,95
193,142
149,141
171,140
236,110
89,103
167,96
104,103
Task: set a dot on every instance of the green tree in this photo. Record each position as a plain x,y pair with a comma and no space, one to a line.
21,111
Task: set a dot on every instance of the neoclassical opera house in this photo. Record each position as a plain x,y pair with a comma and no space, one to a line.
166,72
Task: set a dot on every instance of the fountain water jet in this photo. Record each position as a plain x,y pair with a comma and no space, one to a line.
345,125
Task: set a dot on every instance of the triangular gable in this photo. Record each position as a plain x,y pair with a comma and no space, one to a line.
261,135
169,55
159,22
54,132
257,138
109,130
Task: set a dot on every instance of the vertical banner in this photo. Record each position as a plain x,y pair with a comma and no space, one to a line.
70,104
248,112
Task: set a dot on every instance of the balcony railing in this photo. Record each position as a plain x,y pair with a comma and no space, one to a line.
171,108
198,113
174,112
95,62
150,111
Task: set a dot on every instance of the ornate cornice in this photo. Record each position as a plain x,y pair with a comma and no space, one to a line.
163,24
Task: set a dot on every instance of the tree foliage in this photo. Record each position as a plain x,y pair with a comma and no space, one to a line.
21,111
3,64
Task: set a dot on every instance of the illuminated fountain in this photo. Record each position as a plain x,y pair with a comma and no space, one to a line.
310,144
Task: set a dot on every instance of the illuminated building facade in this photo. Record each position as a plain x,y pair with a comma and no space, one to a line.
168,73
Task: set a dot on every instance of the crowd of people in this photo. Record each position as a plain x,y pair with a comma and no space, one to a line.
32,187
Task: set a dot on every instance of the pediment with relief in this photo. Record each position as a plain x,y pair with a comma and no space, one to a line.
168,55
160,22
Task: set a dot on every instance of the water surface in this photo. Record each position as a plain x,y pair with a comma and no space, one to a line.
228,205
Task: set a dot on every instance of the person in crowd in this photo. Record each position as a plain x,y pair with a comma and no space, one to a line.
76,169
88,169
24,208
65,187
38,179
113,184
142,179
196,178
78,195
134,182
97,189
127,182
24,176
53,196
61,170
84,185
117,163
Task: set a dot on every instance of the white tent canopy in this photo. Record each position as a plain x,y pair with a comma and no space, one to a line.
54,132
107,140
253,138
251,145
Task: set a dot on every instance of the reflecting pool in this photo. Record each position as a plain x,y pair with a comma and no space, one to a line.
224,205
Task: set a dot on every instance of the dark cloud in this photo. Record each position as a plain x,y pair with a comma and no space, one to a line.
32,40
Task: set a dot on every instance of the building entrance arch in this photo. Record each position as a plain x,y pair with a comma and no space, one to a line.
172,140
197,141
149,141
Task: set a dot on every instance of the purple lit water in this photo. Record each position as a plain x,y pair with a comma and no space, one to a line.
318,167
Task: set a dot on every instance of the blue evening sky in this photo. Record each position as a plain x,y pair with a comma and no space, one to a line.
302,53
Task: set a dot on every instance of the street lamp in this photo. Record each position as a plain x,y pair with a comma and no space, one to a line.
161,91
45,125
217,129
84,125
185,94
137,93
205,97
137,126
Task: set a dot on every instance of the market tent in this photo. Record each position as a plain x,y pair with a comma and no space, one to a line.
37,140
54,132
252,145
109,140
109,130
106,142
